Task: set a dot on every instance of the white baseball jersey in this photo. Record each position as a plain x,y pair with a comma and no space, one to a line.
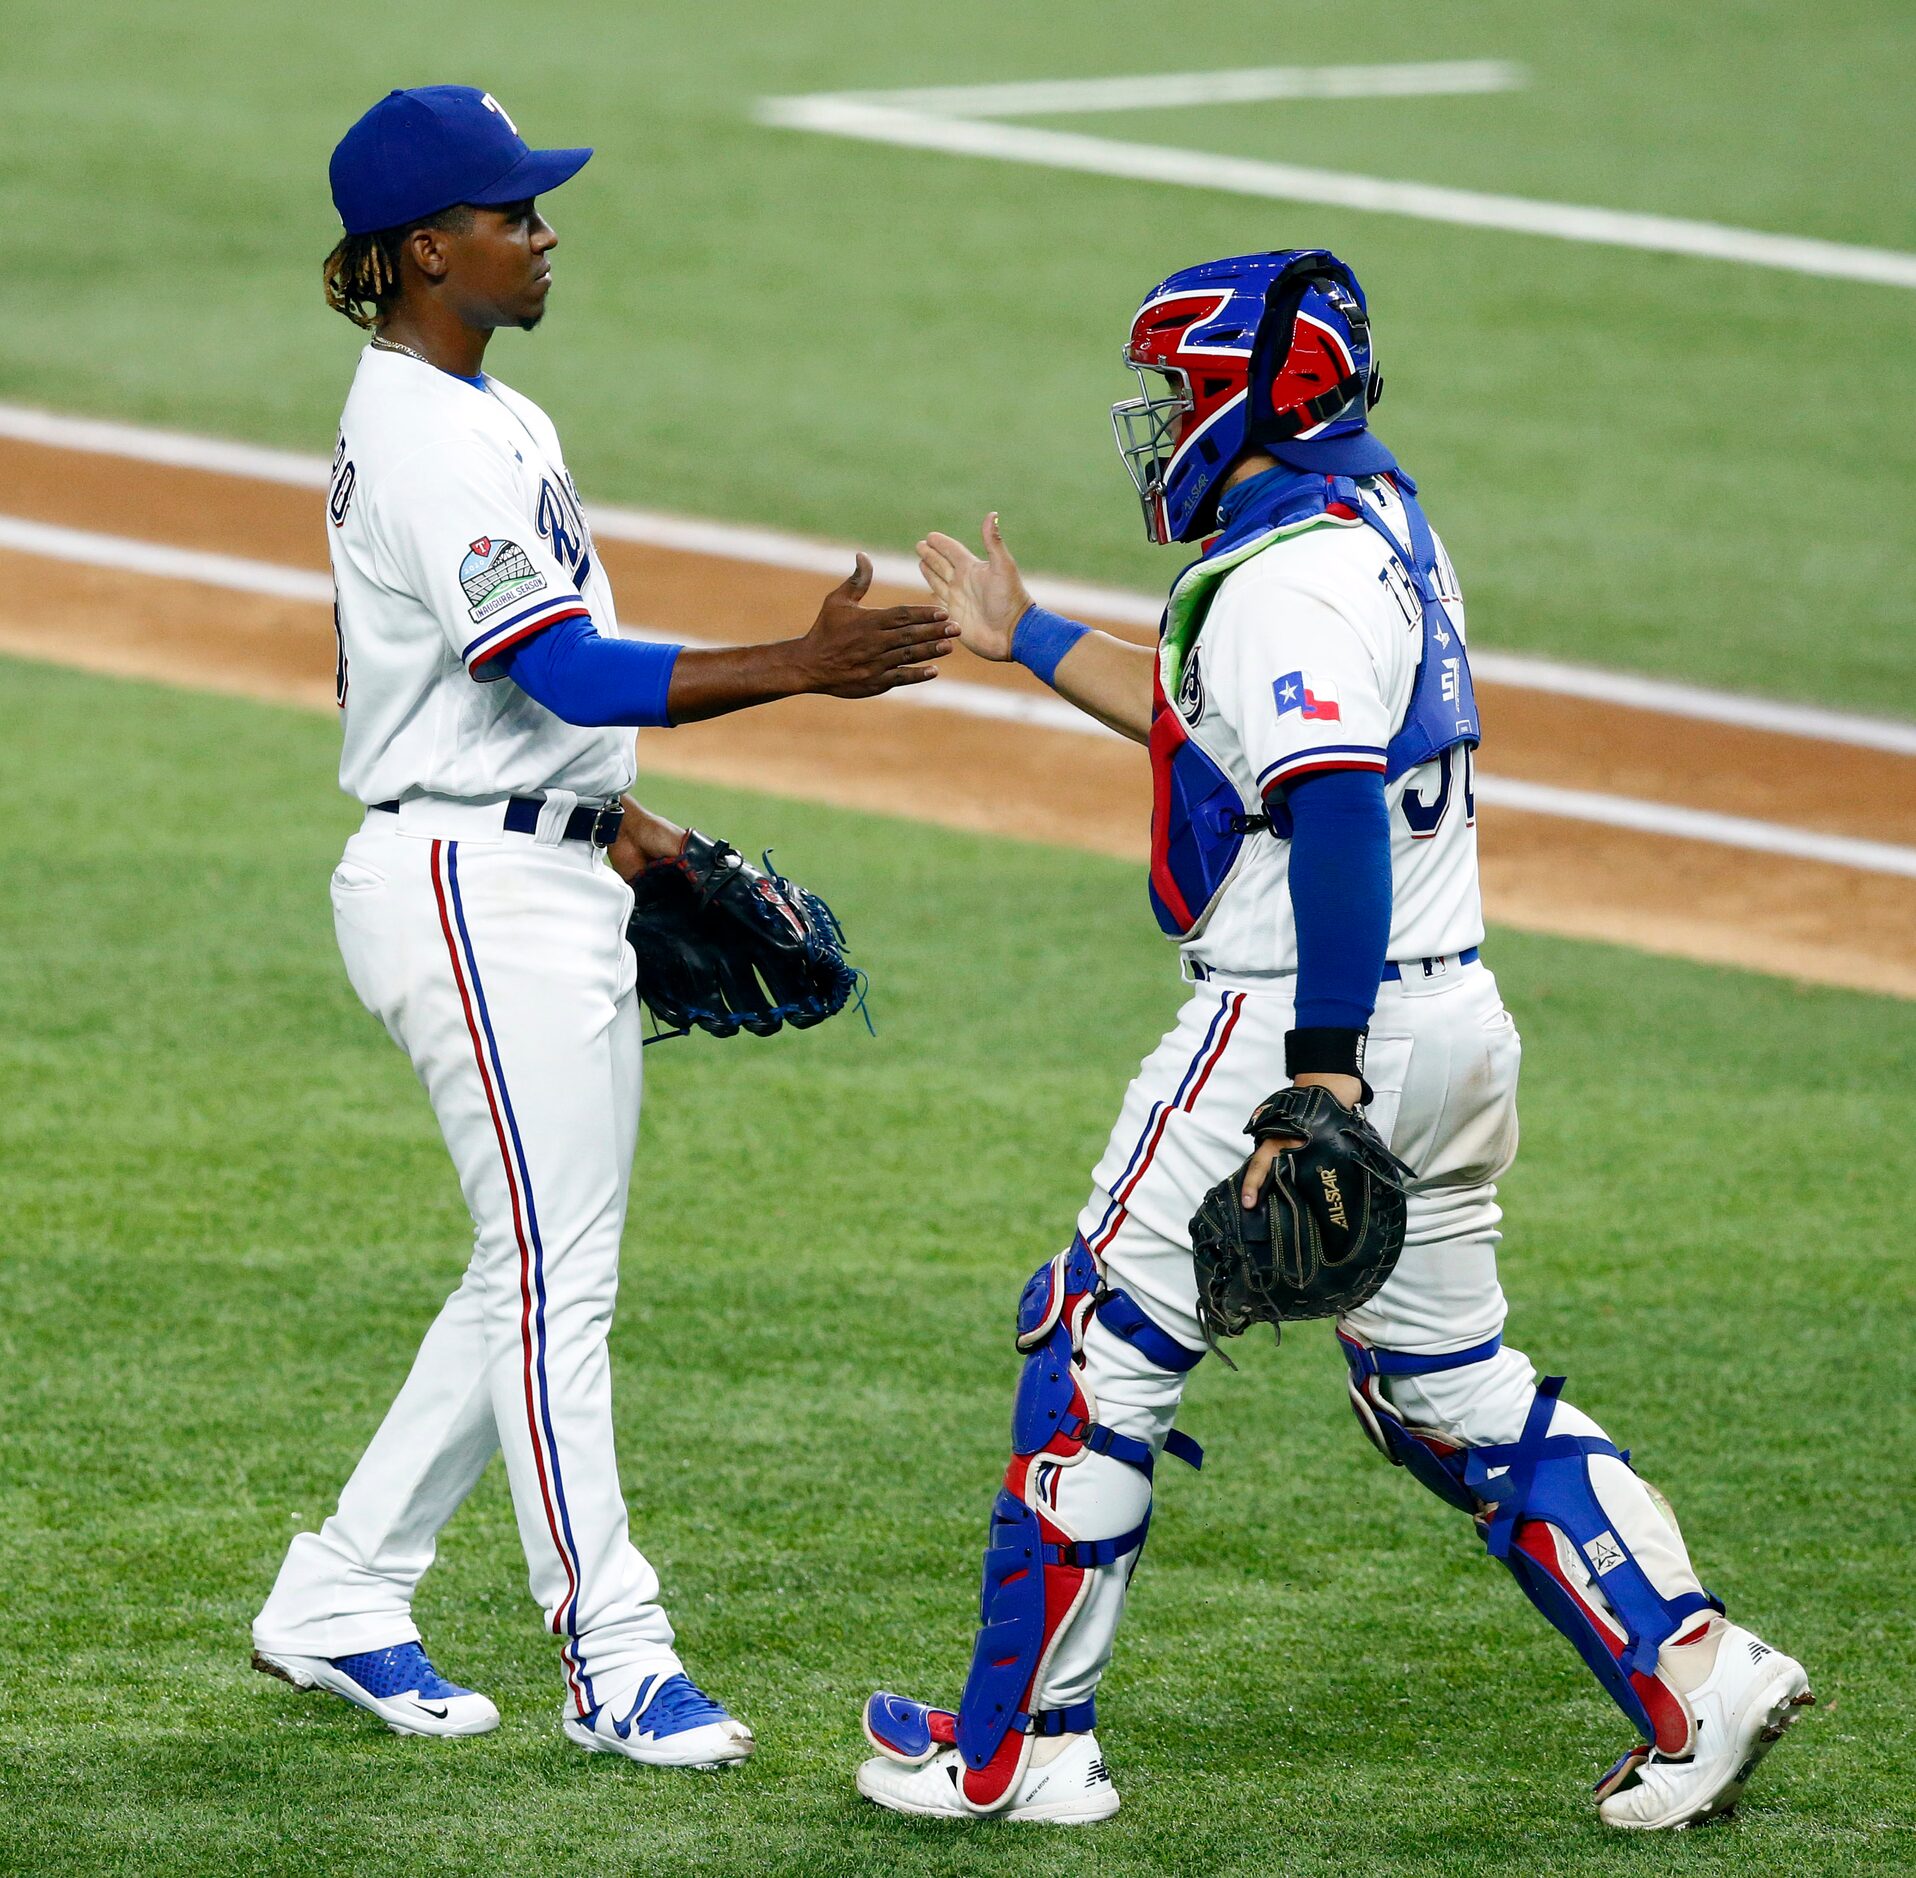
1306,661
455,531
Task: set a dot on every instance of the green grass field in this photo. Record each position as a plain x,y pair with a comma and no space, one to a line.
230,1219
1641,460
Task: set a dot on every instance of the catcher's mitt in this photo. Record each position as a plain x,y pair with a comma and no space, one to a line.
1325,1233
726,948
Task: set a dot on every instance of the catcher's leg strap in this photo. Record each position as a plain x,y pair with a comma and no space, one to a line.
1037,1571
1437,1463
1121,1314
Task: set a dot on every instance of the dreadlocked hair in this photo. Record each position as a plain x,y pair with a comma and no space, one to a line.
361,275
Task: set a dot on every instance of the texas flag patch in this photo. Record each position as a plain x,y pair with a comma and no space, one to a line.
1315,698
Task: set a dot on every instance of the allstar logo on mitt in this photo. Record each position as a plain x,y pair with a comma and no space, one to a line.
1325,1233
724,947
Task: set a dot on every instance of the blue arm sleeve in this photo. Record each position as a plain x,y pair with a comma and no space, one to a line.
586,679
1340,895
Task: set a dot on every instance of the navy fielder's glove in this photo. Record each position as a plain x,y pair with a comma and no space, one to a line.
723,947
1325,1233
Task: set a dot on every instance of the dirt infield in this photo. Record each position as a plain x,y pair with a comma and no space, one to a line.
1695,899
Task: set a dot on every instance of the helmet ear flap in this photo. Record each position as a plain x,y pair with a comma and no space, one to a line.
1272,344
1264,424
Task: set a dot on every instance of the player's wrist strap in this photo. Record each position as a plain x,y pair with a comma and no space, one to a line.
1326,1050
1040,640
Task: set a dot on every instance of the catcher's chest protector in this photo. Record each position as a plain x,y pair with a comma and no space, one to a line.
1198,814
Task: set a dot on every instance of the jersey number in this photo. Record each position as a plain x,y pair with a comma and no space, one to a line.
1426,816
339,493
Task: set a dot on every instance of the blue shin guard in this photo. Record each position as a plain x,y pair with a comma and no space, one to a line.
1036,1573
1540,1515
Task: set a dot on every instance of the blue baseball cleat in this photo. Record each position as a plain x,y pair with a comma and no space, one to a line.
399,1685
669,1722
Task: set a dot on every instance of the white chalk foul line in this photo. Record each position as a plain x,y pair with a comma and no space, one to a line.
1051,97
122,554
840,116
1686,824
771,547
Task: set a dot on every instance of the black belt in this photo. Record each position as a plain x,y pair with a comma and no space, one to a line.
596,822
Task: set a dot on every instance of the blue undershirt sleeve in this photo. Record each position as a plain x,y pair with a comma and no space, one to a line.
589,680
1340,895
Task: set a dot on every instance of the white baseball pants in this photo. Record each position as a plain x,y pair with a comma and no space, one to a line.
1442,1058
498,963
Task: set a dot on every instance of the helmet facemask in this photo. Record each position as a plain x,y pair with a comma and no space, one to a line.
1148,430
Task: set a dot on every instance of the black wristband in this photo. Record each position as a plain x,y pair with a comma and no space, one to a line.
1325,1051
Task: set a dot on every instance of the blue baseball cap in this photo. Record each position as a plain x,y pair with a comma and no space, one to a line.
417,152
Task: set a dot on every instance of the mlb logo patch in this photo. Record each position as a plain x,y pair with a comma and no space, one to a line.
1315,699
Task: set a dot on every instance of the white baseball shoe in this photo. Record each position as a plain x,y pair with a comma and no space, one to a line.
1742,1708
671,1722
398,1685
1065,1783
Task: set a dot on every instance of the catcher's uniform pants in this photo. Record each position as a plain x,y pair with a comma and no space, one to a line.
1442,1059
499,965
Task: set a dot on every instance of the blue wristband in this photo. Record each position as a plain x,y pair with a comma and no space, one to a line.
1041,639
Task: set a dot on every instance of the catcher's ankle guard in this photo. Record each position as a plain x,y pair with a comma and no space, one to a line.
1538,1512
1036,1572
908,1732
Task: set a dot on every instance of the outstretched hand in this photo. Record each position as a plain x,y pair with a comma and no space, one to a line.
985,599
854,651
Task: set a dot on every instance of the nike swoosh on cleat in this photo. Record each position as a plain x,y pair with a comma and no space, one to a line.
438,1714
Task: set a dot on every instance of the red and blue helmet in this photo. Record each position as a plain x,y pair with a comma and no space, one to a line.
1260,351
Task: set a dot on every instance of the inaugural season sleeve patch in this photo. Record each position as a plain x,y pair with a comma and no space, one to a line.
494,574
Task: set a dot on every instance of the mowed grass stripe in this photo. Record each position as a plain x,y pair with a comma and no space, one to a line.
231,1219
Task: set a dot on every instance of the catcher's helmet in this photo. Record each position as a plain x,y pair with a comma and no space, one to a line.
1266,351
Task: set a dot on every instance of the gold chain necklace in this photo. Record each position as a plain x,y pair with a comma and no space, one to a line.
383,344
